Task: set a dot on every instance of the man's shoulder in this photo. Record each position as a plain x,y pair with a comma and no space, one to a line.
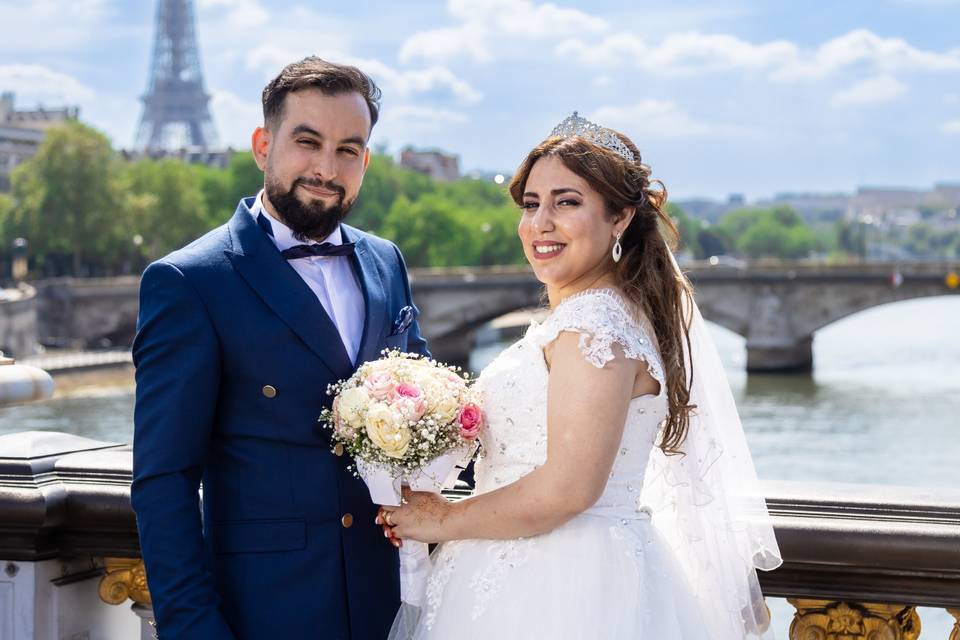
203,253
382,246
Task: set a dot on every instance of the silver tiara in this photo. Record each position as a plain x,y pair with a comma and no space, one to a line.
601,136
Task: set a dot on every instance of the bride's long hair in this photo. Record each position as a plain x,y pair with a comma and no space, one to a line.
645,272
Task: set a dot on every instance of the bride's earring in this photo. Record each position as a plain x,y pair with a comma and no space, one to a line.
617,249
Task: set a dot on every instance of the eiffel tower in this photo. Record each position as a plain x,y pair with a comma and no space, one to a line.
175,108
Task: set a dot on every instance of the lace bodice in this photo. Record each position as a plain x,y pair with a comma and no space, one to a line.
513,393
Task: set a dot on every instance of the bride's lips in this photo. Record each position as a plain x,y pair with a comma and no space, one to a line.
545,250
322,193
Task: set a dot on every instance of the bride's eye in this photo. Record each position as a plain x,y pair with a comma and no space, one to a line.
568,202
529,205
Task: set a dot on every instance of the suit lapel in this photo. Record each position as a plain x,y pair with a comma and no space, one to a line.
375,318
257,260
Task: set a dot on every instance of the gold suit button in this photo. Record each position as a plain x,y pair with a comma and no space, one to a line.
338,449
269,391
347,520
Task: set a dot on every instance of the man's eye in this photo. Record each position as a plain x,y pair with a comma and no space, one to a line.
351,151
307,142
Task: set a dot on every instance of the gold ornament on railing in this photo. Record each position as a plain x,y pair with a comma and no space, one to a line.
956,628
831,620
125,578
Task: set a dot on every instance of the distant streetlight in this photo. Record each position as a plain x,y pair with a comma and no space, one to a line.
499,178
137,240
19,267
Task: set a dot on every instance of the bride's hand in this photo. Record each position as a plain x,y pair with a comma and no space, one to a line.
420,517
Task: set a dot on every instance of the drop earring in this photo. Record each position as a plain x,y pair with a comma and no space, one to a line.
617,249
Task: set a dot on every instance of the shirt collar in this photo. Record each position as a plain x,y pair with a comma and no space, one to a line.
282,235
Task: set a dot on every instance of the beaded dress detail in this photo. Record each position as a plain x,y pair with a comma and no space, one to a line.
607,573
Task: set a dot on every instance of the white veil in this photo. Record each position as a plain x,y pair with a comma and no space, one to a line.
708,503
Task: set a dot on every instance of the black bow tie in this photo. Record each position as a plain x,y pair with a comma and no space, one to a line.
310,250
307,250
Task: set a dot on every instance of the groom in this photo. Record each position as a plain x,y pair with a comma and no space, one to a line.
239,335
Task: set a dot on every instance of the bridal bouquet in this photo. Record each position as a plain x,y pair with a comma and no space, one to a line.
405,420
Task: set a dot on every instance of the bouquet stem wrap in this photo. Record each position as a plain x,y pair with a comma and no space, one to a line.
385,489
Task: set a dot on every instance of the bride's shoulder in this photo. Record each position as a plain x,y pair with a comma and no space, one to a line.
603,317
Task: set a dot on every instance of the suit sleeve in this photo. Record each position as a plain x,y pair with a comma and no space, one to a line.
415,342
176,354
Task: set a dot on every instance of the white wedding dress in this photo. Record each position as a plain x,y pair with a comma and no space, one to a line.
608,573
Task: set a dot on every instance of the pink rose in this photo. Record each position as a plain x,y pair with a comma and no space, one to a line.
407,390
381,385
409,401
470,419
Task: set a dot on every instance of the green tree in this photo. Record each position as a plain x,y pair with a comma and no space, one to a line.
383,183
689,229
430,232
167,205
68,200
778,232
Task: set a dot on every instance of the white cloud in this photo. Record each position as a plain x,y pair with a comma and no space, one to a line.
235,118
409,114
487,26
951,98
51,25
444,44
436,81
694,52
614,50
863,47
951,127
657,119
871,91
237,14
35,84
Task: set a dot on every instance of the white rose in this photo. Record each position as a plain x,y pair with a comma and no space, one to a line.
352,405
387,430
446,407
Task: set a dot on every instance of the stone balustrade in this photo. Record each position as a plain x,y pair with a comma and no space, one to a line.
858,559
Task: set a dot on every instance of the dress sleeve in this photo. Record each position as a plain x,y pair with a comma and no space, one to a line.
602,320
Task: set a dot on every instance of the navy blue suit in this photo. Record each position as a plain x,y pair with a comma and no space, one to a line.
233,354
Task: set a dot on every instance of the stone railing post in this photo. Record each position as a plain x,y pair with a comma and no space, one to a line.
64,504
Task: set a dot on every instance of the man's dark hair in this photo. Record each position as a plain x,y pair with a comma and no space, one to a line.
330,78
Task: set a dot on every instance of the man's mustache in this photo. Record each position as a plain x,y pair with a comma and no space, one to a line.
320,184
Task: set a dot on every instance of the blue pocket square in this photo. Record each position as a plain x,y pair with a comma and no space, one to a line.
403,321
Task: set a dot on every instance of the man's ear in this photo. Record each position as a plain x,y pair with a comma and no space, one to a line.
366,158
260,144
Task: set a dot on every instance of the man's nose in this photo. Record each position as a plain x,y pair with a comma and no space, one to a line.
325,165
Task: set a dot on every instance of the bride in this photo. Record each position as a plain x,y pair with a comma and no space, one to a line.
615,494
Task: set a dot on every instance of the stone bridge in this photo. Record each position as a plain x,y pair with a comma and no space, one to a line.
777,308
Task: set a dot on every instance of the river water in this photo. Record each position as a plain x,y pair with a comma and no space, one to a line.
882,406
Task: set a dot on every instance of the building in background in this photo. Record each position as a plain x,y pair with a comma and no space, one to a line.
22,131
432,162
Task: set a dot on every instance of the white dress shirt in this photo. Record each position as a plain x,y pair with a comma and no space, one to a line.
331,278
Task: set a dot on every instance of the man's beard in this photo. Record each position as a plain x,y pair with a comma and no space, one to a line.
308,221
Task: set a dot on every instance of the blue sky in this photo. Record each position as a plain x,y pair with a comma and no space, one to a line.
721,97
